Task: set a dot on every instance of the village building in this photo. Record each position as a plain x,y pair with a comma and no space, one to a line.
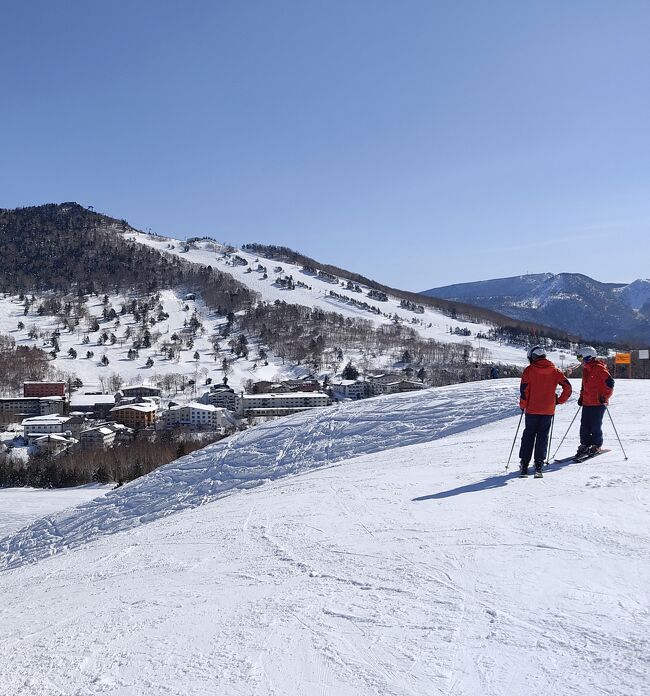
44,389
36,427
279,404
197,416
136,392
304,385
76,423
221,396
136,416
105,435
349,389
96,405
54,443
391,383
16,408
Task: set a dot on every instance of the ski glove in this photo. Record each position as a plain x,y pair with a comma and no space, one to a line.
580,401
602,399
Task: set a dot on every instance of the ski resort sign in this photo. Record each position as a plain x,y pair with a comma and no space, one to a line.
623,358
644,355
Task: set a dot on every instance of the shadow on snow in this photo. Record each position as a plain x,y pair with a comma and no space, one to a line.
488,483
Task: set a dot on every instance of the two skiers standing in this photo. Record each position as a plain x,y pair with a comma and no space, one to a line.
538,399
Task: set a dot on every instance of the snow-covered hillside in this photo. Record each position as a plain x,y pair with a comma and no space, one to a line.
132,371
372,548
429,324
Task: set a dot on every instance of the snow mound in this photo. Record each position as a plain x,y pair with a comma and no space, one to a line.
276,449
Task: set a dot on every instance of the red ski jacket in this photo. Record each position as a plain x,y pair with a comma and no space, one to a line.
597,384
538,386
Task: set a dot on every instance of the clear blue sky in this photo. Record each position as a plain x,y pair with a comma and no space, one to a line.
420,143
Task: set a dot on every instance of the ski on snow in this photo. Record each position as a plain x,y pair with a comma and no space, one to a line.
582,458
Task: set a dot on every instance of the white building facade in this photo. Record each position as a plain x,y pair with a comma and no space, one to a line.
197,416
36,427
280,404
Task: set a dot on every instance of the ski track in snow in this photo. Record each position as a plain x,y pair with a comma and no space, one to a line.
278,448
423,569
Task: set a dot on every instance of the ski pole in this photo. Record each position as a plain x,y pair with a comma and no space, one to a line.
550,439
567,431
515,440
616,431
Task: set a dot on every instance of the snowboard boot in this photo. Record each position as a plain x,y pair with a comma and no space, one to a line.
538,469
523,469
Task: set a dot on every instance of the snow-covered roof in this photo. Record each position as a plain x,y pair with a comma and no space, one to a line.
43,382
91,399
134,387
196,405
103,429
45,420
144,408
56,437
287,395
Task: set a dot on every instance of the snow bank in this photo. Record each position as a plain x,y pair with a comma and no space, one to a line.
276,449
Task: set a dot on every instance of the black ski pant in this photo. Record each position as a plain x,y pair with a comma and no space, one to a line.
591,425
535,438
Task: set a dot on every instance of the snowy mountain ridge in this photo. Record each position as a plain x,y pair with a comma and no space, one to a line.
572,302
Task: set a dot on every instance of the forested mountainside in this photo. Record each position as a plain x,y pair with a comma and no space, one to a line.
572,302
68,248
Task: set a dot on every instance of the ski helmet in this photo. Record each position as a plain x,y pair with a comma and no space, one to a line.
535,353
585,352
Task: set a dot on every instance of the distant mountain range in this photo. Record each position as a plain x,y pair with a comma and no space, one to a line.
599,312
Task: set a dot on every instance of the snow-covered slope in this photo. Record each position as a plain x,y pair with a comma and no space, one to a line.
430,324
417,569
91,371
267,452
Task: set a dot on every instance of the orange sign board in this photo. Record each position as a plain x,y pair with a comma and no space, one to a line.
623,358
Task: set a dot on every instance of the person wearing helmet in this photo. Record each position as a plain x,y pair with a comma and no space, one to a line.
597,388
538,398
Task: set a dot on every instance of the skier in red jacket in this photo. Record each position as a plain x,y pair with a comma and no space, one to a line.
597,388
538,398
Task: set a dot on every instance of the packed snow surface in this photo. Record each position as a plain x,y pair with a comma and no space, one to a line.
270,451
388,552
20,506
